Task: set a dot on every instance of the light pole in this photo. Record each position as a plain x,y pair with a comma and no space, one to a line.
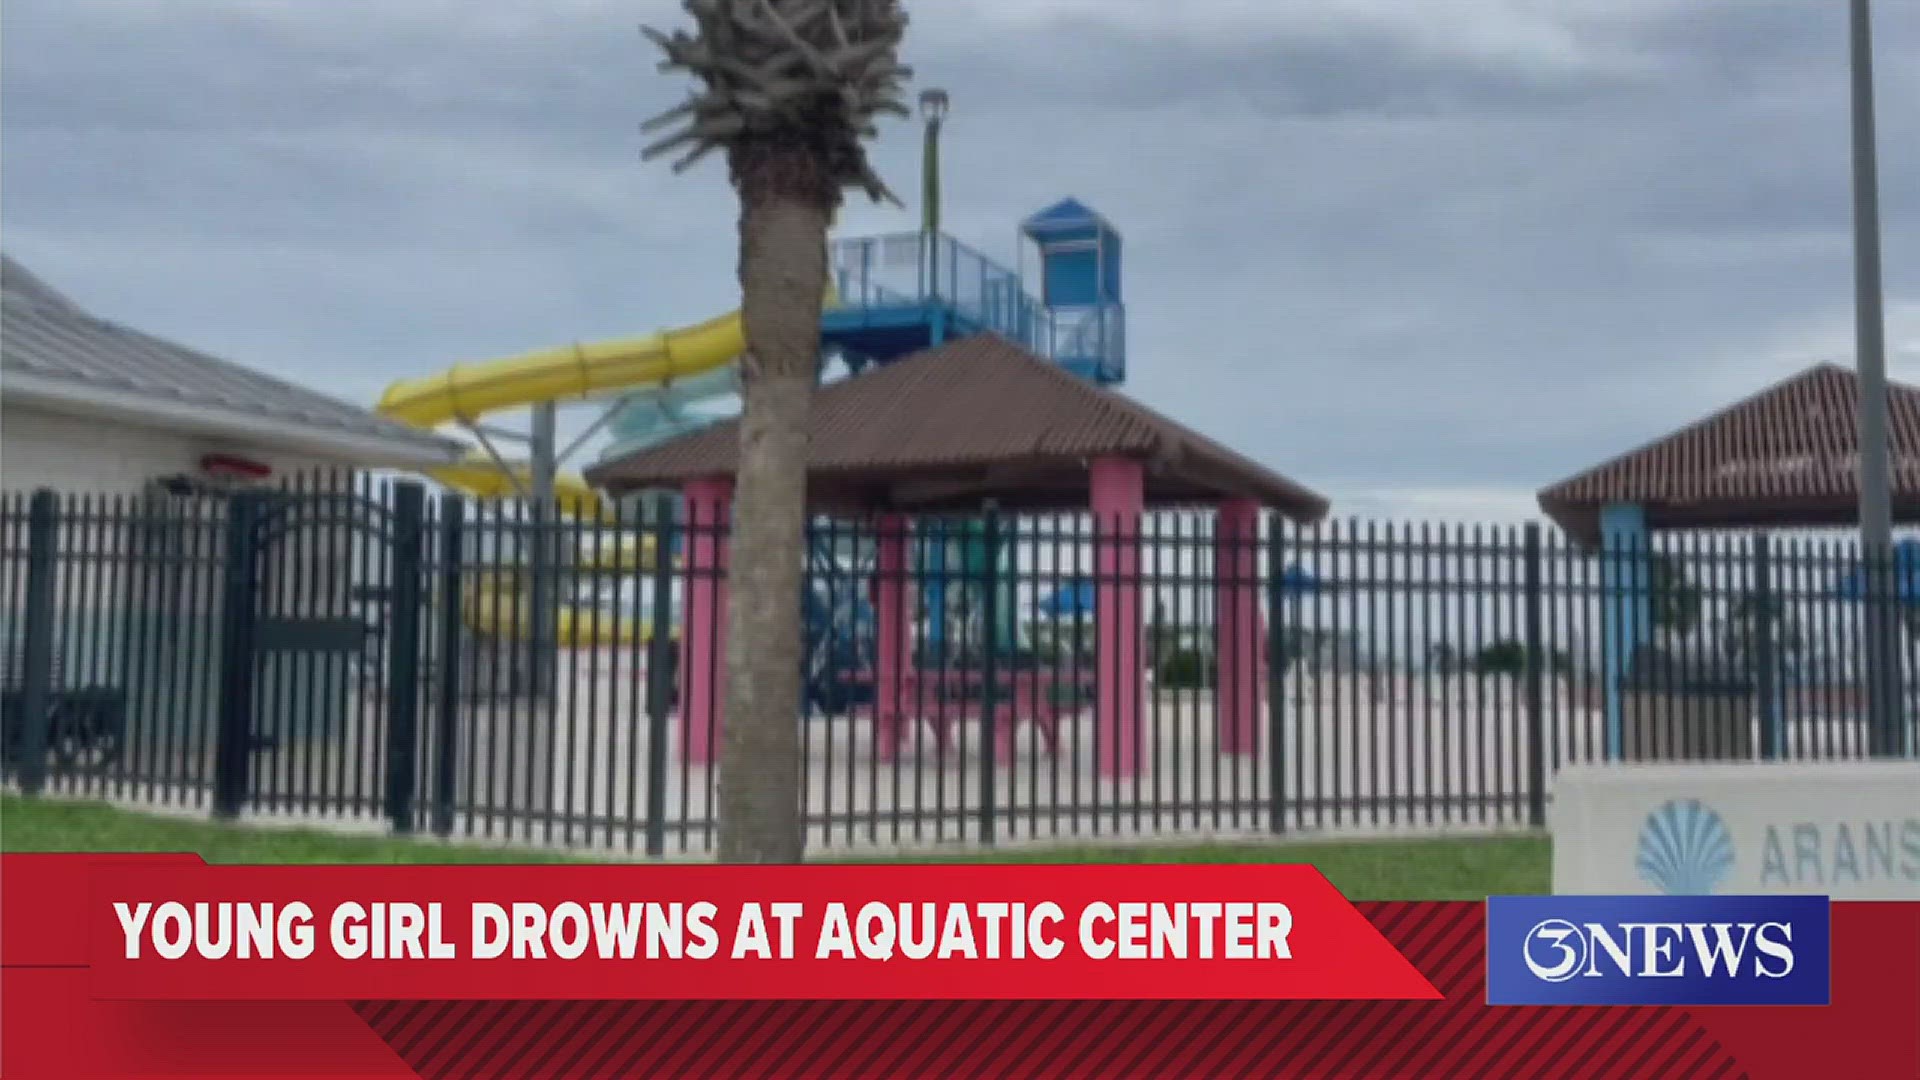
1876,499
933,109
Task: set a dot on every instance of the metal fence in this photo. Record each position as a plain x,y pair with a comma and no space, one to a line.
353,648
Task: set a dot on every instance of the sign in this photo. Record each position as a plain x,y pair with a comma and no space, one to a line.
359,982
1658,950
1849,830
696,932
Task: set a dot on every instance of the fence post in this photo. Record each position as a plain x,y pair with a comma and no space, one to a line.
36,678
233,749
1537,664
1279,626
403,654
1766,671
989,675
453,527
661,666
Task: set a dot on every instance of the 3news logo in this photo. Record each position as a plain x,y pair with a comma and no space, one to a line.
1657,950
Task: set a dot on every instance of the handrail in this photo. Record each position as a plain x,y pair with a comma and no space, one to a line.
904,268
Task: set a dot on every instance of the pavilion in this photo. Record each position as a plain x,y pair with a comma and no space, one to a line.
969,424
1787,457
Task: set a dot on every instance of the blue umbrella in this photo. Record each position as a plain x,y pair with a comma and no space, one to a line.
1076,598
1906,570
1294,581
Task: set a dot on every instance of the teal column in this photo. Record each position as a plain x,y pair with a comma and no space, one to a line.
1626,610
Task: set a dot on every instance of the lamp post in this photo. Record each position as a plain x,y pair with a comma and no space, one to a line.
1876,501
933,109
934,104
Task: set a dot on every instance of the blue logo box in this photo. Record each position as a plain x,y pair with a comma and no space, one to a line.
1658,950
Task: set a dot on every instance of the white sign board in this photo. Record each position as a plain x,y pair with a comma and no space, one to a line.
1849,830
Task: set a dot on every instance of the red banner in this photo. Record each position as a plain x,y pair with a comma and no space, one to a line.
66,1010
685,932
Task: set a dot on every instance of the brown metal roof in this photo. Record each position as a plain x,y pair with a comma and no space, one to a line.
976,419
1789,455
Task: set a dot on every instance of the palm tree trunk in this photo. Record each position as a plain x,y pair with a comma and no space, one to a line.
783,271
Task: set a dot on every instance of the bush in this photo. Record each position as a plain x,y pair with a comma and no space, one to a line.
1510,658
1184,669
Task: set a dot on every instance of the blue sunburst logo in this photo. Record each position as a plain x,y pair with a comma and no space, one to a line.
1685,849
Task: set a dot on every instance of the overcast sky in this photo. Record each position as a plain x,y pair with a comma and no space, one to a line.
1424,255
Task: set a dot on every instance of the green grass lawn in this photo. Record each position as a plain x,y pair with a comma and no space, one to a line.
53,825
1441,868
1463,868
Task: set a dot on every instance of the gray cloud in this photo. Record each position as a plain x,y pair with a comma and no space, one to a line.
1398,251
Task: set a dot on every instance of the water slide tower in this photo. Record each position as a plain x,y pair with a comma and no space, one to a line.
1086,323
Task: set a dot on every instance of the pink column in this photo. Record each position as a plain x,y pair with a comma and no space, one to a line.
703,629
1119,497
891,598
1236,624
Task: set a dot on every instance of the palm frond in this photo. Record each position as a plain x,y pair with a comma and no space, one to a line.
812,73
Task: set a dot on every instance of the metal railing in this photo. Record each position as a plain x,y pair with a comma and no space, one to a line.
354,649
1090,341
905,268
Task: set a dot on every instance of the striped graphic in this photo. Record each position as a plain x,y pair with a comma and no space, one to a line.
1458,1037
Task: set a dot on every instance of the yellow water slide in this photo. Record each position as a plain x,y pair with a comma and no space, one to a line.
500,611
470,392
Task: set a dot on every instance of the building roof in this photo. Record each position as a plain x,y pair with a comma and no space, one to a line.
24,288
1787,456
976,419
55,355
1069,215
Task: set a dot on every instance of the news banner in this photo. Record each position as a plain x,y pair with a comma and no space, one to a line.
124,965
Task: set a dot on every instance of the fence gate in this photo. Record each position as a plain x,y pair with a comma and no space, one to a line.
320,675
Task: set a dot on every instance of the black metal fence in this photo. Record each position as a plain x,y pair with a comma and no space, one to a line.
356,648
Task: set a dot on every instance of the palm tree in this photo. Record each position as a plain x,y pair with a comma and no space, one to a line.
790,90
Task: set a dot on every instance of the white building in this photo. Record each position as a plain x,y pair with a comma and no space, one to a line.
89,406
